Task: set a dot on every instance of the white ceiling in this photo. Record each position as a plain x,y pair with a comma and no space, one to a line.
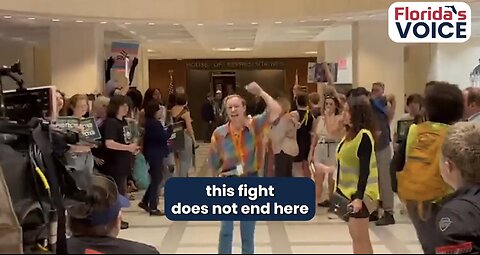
223,38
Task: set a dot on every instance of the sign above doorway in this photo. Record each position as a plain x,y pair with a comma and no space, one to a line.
236,64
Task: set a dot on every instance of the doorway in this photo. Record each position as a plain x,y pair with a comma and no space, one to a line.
224,81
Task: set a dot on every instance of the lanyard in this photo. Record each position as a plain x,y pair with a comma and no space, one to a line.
239,149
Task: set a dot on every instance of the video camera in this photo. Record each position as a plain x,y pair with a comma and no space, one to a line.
40,186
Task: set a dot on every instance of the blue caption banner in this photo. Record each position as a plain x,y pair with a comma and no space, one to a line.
234,199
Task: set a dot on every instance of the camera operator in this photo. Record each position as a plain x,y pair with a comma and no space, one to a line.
95,225
119,144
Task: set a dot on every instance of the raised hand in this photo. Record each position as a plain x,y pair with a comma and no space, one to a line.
254,88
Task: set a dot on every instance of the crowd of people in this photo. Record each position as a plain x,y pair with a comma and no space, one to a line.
343,142
346,141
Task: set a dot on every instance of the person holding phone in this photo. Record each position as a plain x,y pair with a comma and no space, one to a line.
357,177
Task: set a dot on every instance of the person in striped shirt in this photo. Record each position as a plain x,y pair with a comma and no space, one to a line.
237,150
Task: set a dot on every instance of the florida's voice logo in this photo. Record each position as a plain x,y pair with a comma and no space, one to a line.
429,22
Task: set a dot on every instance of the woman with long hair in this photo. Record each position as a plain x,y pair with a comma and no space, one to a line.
357,177
181,113
327,133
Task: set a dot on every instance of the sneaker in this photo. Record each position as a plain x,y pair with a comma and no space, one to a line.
156,212
124,225
387,219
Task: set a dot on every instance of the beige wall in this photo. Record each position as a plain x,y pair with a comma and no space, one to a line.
418,59
376,58
77,59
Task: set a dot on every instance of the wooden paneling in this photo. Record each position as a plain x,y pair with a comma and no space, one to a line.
159,77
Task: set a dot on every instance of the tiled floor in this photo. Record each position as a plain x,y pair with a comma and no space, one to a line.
320,235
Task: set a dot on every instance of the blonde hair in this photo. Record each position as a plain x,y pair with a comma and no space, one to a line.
100,102
462,147
73,101
285,104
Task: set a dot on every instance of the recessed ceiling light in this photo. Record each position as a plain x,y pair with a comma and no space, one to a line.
133,32
230,24
176,24
31,18
349,18
150,50
311,52
79,21
232,49
254,23
55,20
7,17
151,24
278,22
149,40
199,24
371,15
127,23
302,21
103,22
326,19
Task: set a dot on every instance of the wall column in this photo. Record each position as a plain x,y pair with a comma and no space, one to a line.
376,58
77,57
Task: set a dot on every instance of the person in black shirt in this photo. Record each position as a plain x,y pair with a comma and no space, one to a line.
118,143
458,229
95,225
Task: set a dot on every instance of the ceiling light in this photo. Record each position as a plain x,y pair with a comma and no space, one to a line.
371,15
127,23
232,49
199,24
349,18
79,21
326,19
55,20
133,32
302,21
229,24
150,50
254,23
176,24
7,17
311,52
149,40
176,41
31,18
103,22
278,22
151,24
17,38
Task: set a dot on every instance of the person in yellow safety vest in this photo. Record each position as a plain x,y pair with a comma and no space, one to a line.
357,177
416,163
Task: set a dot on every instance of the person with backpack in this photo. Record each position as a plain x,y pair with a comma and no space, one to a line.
457,228
416,164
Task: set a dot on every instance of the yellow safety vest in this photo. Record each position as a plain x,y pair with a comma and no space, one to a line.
350,167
